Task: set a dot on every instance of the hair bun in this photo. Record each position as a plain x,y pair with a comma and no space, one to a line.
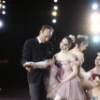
98,53
82,36
72,38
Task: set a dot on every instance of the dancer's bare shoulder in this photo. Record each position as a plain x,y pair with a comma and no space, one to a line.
72,57
79,55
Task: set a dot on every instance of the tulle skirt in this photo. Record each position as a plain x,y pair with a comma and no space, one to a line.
71,90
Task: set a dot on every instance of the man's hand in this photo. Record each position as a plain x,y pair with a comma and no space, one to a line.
28,69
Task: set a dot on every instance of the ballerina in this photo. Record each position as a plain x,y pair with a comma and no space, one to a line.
64,80
80,45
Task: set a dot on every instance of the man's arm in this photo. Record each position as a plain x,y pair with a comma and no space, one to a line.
26,53
48,51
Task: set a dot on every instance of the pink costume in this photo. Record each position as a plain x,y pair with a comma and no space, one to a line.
70,90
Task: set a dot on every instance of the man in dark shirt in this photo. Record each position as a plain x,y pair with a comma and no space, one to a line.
37,49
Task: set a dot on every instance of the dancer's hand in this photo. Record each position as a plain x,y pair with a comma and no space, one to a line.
28,66
50,62
28,69
59,79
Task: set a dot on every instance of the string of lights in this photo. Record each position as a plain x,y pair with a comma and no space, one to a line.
95,21
2,10
54,12
2,6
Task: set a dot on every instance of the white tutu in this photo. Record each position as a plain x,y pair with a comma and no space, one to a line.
84,74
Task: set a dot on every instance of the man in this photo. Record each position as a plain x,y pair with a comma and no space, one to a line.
35,50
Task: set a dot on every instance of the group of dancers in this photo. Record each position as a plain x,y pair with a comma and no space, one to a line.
67,79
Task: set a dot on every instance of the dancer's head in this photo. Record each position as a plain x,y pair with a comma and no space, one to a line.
45,33
96,80
82,42
97,60
66,42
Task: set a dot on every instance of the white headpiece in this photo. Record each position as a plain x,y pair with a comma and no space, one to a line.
72,38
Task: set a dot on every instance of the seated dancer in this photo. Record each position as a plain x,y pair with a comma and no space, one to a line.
64,81
96,69
94,94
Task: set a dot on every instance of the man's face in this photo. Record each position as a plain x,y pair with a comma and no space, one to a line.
46,34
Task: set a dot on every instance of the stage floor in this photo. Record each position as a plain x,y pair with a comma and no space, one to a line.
14,94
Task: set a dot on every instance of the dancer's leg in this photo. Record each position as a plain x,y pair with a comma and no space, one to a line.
87,84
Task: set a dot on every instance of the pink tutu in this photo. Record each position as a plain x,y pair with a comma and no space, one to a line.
71,90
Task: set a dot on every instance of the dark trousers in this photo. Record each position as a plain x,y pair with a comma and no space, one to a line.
49,99
37,91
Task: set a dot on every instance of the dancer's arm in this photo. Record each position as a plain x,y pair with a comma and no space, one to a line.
41,64
44,64
91,74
